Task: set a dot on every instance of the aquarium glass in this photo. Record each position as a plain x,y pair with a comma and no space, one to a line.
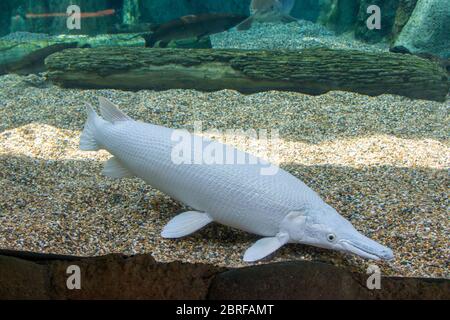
344,101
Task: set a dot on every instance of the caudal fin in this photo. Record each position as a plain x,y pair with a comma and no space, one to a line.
87,139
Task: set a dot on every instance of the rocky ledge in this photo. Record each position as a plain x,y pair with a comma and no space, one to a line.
26,275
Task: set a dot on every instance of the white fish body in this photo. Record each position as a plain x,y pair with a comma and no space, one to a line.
236,195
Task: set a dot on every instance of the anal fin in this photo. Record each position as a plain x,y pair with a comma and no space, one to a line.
115,169
285,18
185,223
246,24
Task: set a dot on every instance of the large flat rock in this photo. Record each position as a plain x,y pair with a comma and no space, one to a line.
38,276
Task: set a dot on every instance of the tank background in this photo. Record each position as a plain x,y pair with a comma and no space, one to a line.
339,15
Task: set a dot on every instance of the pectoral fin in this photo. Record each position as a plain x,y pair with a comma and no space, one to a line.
115,169
185,223
265,246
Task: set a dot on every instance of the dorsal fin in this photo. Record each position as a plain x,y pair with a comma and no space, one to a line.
110,112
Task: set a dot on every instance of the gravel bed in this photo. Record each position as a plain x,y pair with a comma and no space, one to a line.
382,162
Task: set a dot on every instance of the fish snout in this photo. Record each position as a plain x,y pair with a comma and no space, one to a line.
386,254
367,248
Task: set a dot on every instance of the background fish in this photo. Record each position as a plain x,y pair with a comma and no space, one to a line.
284,6
192,26
269,11
34,61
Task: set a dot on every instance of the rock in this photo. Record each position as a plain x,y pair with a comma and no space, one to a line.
404,11
428,29
131,13
313,280
413,289
339,15
21,279
399,49
139,277
287,280
5,17
109,277
25,275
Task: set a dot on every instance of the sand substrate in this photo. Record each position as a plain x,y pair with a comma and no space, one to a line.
382,162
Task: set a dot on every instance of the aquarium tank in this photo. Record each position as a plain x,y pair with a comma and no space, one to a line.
225,141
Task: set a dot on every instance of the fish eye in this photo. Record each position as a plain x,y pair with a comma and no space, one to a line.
331,237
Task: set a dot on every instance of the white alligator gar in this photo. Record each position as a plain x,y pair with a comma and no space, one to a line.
278,206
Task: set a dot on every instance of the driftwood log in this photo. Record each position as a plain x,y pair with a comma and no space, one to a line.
311,71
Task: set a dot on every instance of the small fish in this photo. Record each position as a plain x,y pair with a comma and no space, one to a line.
279,207
192,26
268,11
34,62
102,13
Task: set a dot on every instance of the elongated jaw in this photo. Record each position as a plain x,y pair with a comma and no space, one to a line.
367,249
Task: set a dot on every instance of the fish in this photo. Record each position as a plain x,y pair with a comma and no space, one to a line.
278,206
268,11
192,26
34,62
101,13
